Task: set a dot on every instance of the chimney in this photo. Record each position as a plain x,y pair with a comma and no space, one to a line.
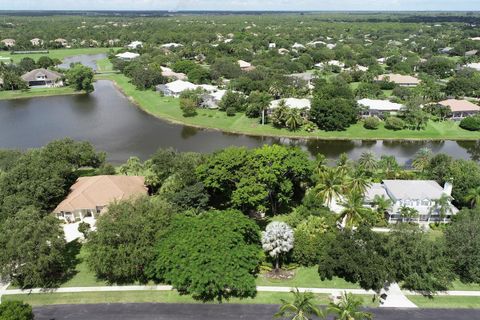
447,188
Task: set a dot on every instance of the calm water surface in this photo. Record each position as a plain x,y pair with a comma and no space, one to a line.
113,124
89,60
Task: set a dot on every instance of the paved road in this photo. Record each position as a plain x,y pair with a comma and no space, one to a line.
151,311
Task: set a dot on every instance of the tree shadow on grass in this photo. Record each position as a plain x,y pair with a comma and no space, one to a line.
72,250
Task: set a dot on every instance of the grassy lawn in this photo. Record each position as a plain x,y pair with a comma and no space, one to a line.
306,278
36,92
104,65
153,296
457,285
168,108
57,53
446,302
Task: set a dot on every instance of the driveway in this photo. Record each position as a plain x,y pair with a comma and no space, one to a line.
152,311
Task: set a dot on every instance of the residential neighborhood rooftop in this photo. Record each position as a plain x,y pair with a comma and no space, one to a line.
459,105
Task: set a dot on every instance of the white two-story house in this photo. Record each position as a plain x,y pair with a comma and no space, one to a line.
421,195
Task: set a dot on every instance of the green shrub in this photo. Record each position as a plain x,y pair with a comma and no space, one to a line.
371,123
471,123
394,123
189,107
15,310
230,111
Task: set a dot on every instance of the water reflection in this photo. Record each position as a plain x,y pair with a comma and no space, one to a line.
112,123
89,60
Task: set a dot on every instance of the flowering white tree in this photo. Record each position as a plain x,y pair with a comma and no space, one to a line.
277,239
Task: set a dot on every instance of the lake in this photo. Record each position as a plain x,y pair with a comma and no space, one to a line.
112,123
89,60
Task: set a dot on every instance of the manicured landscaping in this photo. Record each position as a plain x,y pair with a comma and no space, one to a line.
168,108
446,302
153,296
306,278
37,92
57,54
104,65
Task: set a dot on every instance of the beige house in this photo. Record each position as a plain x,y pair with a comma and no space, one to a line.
43,78
90,196
8,42
401,80
61,41
460,108
36,42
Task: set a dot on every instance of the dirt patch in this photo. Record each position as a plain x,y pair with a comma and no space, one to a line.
279,275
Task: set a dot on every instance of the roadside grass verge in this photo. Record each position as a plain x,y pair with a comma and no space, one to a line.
446,302
39,299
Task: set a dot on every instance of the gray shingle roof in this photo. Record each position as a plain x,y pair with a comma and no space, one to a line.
32,75
413,189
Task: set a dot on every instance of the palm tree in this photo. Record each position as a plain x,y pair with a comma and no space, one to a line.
473,197
382,205
422,159
442,206
343,163
331,185
407,213
348,308
353,212
358,182
368,161
293,119
275,89
302,307
389,166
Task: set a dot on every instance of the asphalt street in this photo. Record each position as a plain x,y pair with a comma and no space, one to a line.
156,311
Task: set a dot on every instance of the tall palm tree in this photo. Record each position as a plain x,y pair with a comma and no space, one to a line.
353,212
368,161
348,308
422,159
382,205
473,197
301,308
331,185
343,163
358,182
293,119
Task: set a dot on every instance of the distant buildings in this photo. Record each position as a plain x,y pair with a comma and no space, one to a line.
43,78
127,56
36,42
171,45
460,108
401,80
378,107
175,88
62,42
8,43
245,66
135,45
291,103
169,73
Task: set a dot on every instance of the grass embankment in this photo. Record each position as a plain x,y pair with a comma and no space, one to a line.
37,92
56,53
104,65
168,108
39,299
446,302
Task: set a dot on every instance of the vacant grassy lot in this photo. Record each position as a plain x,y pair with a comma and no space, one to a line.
37,92
104,65
56,54
446,302
168,108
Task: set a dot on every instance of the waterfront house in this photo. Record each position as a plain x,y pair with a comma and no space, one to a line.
460,108
90,196
8,43
175,88
212,99
127,56
292,103
401,80
39,78
135,45
62,42
36,42
373,107
420,195
170,74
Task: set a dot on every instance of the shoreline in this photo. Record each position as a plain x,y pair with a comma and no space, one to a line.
30,94
272,135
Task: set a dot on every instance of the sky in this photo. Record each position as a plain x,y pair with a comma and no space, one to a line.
297,5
